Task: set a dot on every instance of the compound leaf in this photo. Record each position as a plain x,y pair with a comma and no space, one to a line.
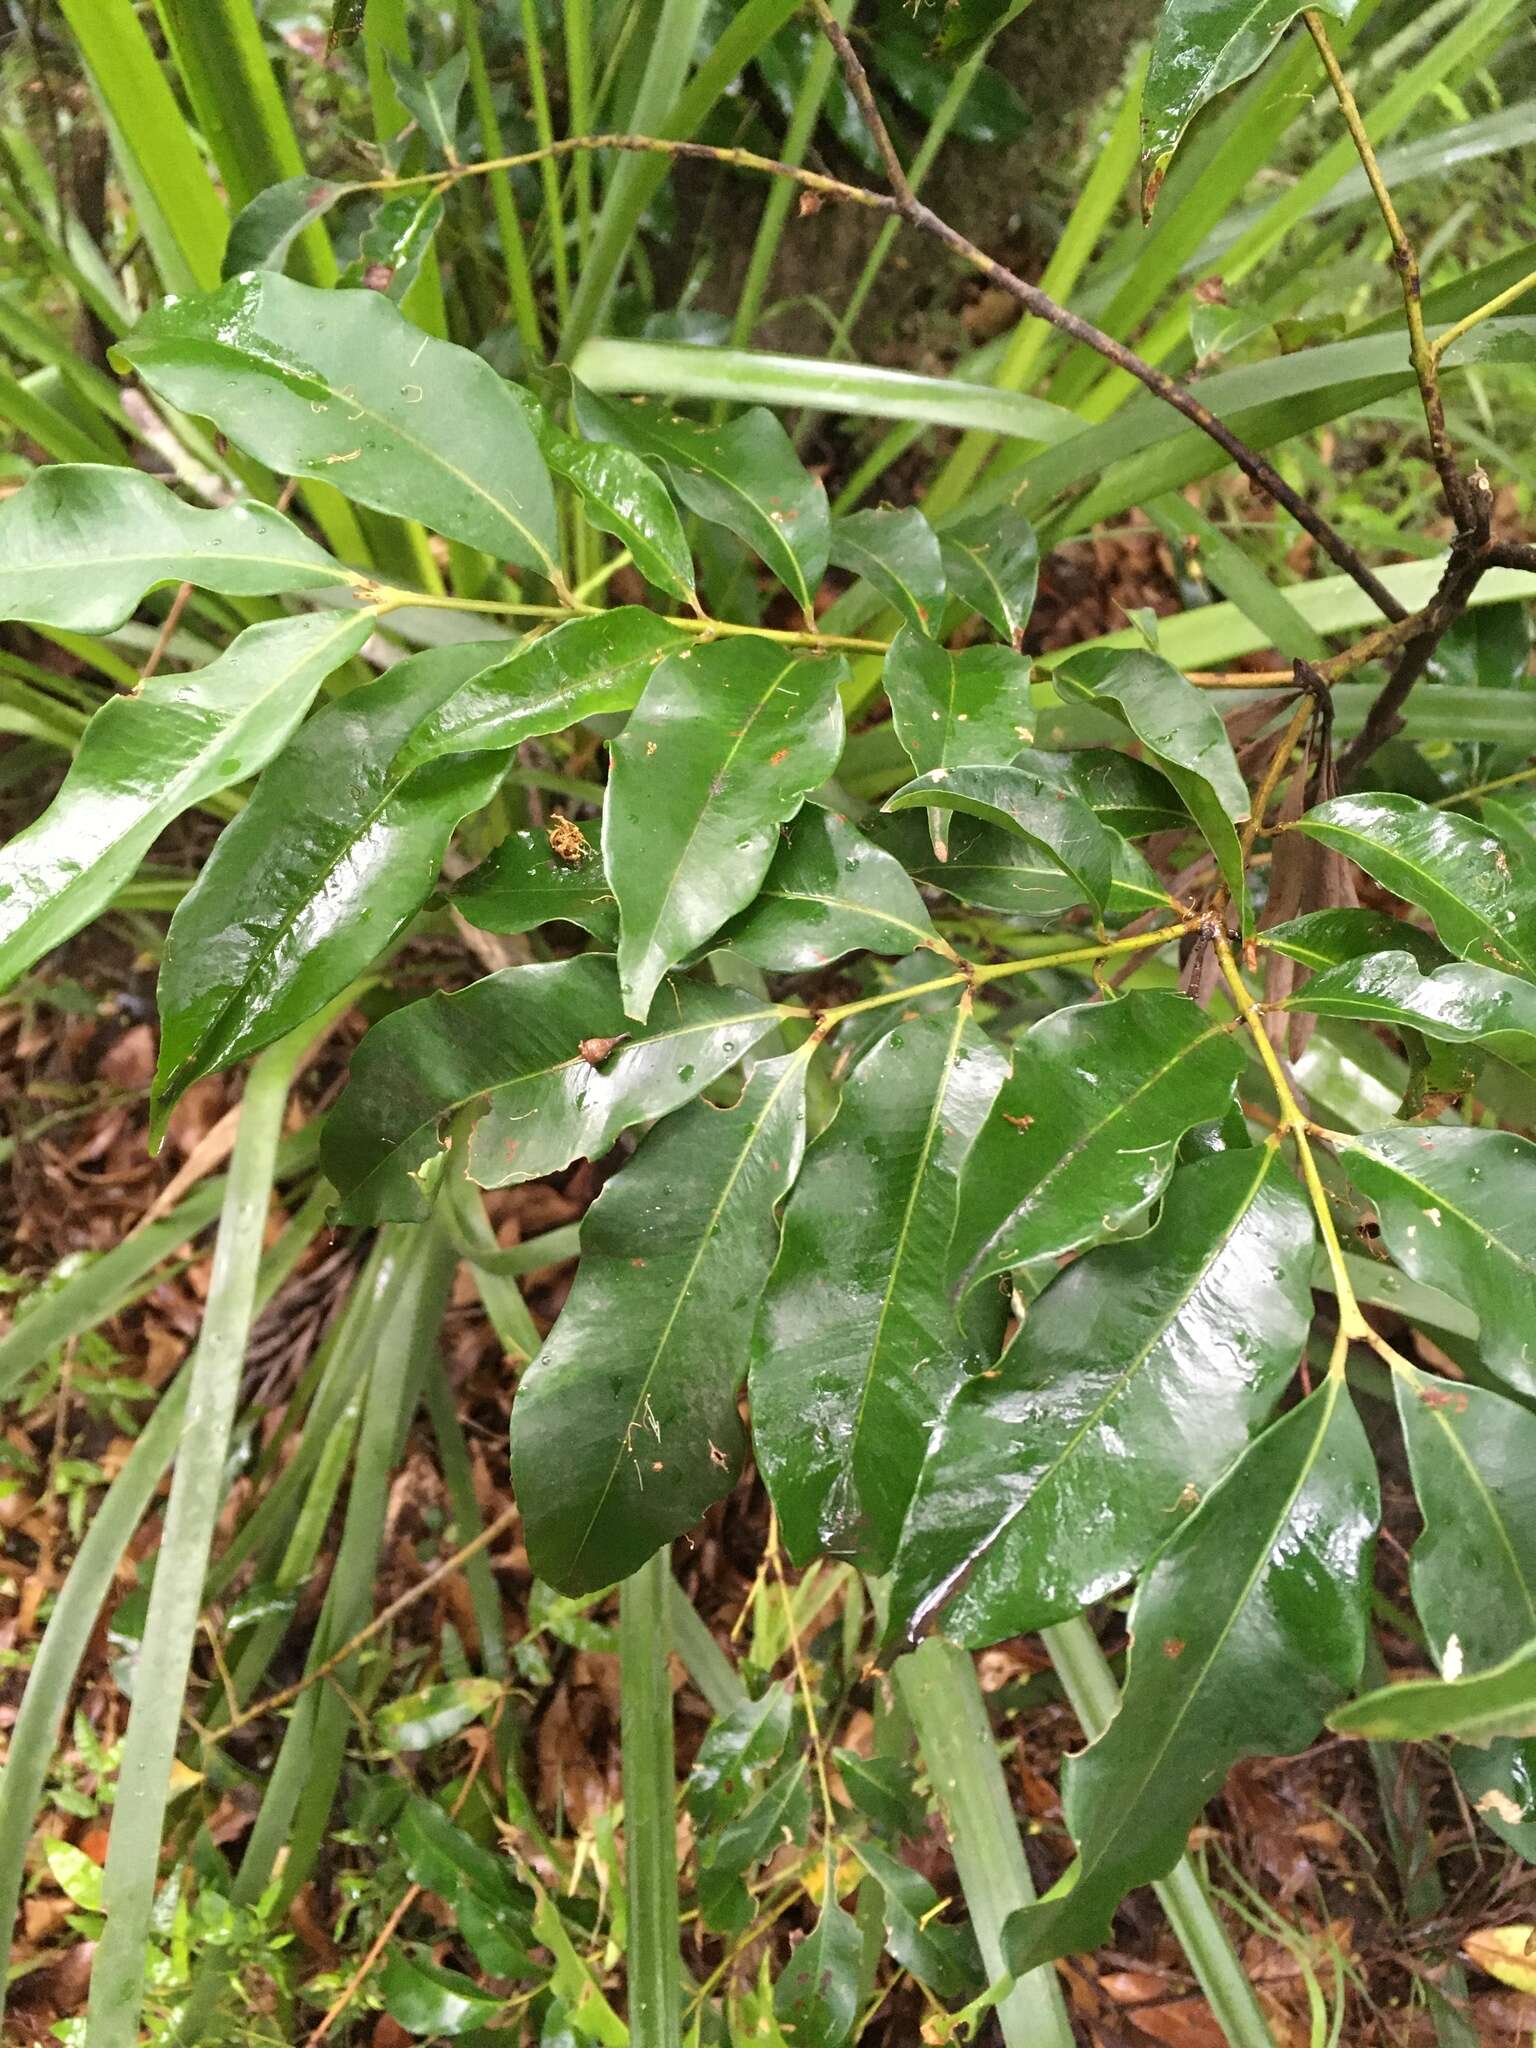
82,543
1083,1135
957,710
828,892
744,476
334,853
1457,1210
1483,906
626,1425
1473,1570
1461,1003
897,553
857,1347
582,668
145,759
1036,807
339,386
1181,731
523,882
544,1059
1178,1343
1485,1707
1202,48
723,747
1247,1630
992,563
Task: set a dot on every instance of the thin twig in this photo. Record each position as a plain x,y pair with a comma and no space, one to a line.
1406,262
380,1621
166,634
863,93
1030,297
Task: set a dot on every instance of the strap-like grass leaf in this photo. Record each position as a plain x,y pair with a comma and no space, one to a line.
992,562
1177,1343
145,759
1486,1707
544,1058
744,476
1202,48
1461,1003
339,386
1182,732
1247,1630
1483,904
524,883
857,1347
897,553
1083,1134
1457,1210
726,742
580,669
828,892
1035,807
957,710
626,1425
330,858
81,544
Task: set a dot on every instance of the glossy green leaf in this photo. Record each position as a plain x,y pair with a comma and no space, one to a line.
1488,649
884,1789
1202,48
744,1802
544,1059
582,668
1333,938
82,543
897,553
432,98
945,1958
1177,1343
1084,1133
957,710
999,870
394,245
1183,733
626,1426
1035,807
623,495
1247,1630
332,856
991,113
992,562
828,892
425,1998
1457,1210
339,386
857,1348
266,229
966,25
493,1911
1500,1783
145,759
1483,906
817,1997
1127,794
1460,1003
1488,1706
423,1719
1473,1570
744,476
724,746
523,883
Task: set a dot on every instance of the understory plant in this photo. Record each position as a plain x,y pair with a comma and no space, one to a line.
1040,1095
